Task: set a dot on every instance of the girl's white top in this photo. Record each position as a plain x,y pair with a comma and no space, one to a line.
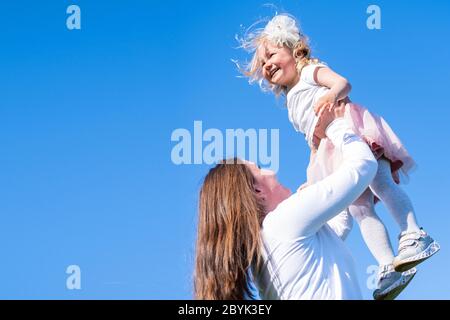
301,100
304,258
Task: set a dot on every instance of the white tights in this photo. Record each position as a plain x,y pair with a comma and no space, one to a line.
397,202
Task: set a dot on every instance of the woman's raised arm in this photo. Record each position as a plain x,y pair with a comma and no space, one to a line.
306,211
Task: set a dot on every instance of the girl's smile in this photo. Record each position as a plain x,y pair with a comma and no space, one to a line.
278,65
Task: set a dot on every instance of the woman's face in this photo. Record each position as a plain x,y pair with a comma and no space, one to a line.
267,187
278,65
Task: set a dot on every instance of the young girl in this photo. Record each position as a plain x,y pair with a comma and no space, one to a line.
282,64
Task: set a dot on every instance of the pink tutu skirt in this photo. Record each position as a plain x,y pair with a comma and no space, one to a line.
378,135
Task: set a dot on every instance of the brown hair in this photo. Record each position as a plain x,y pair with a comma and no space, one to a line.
228,236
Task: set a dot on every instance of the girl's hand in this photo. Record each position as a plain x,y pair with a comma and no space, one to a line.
328,101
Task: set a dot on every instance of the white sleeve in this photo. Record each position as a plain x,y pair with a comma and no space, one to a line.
307,73
306,211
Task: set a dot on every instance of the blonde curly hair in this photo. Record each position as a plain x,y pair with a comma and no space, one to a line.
281,30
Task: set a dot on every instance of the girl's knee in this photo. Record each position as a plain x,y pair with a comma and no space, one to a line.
366,199
362,211
383,181
363,207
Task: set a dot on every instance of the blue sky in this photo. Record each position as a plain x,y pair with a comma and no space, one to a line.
86,118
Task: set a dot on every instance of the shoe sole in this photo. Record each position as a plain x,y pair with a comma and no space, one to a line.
411,262
396,288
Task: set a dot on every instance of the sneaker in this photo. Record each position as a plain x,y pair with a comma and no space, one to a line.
414,248
391,283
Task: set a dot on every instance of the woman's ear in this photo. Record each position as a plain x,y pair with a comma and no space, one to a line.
259,192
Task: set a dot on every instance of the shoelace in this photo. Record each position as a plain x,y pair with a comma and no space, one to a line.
385,271
410,239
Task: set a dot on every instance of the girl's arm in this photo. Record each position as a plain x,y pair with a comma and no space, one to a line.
338,85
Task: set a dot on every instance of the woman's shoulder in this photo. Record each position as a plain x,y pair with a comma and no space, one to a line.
283,223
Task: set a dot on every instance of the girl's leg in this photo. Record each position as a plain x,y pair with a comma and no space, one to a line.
372,228
394,198
390,283
415,245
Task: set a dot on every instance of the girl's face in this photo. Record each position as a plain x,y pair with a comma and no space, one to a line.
278,65
267,187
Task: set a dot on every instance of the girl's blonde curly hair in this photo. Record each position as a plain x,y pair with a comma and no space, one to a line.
281,30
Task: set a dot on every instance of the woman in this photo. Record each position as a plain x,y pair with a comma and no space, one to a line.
250,225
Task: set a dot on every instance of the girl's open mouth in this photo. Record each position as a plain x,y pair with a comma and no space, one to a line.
273,72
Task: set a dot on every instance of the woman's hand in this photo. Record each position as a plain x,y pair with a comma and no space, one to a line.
326,116
328,101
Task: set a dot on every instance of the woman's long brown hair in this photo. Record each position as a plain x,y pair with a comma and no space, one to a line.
228,239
